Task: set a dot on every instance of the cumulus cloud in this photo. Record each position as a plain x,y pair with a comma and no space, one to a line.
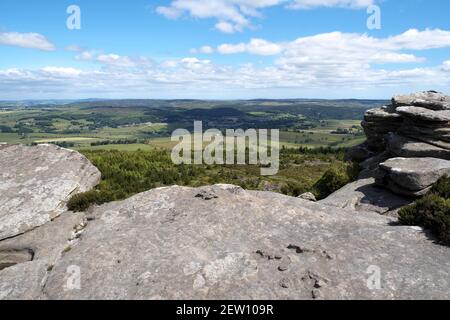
26,40
116,60
338,47
446,65
85,55
235,15
204,50
61,71
339,62
309,4
255,46
108,59
192,77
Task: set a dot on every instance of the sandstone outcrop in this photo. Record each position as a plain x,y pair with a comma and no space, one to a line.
36,182
221,242
416,127
377,123
169,243
430,99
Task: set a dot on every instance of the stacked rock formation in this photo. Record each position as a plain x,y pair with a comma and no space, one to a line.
414,133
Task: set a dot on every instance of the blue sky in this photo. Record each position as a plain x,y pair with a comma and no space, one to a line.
223,49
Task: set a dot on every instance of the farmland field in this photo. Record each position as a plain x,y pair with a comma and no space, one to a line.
130,140
137,124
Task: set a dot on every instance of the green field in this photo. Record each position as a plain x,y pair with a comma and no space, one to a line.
130,142
129,125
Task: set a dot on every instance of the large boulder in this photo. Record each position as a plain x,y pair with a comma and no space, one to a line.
413,176
36,182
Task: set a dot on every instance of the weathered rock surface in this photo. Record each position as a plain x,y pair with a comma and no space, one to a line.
430,99
424,114
46,245
364,196
404,147
414,126
222,242
379,122
308,196
36,182
413,174
169,244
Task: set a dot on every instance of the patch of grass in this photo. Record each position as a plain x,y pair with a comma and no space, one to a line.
334,179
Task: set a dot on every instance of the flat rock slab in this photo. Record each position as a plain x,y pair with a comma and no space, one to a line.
429,99
364,196
409,148
415,174
36,182
382,114
169,244
425,114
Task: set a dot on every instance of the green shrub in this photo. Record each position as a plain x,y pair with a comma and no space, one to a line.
431,212
334,179
442,188
82,201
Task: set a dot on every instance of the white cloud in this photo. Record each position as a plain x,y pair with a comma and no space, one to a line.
85,55
446,65
235,15
414,39
115,60
74,48
227,27
192,77
206,50
26,40
255,46
60,71
345,48
339,62
309,4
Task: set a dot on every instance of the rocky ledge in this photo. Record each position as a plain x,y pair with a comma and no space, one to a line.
218,242
408,143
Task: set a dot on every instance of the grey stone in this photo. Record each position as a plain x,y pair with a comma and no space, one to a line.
212,251
424,114
372,163
12,257
429,99
358,153
382,115
308,196
429,130
36,182
45,246
379,122
415,174
409,148
364,196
